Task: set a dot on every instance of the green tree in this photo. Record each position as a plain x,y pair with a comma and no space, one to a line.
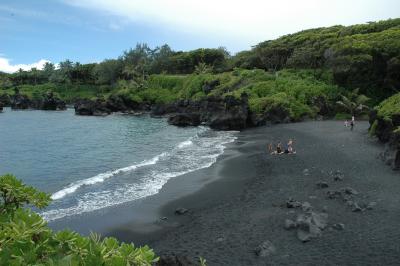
354,103
48,70
137,62
108,71
203,68
161,61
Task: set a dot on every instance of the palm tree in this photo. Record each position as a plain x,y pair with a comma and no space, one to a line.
202,68
34,72
354,103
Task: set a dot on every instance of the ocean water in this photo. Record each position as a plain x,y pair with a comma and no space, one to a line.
90,163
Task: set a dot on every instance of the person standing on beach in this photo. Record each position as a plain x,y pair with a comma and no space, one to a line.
352,123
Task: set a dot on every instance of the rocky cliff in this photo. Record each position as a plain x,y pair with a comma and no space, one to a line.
385,124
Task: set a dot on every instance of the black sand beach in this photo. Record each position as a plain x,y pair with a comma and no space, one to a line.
230,217
240,202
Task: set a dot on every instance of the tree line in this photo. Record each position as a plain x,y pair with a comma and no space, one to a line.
134,64
364,56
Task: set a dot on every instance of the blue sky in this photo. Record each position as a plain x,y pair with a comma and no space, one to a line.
32,32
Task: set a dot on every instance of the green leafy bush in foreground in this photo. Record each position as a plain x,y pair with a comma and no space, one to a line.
25,238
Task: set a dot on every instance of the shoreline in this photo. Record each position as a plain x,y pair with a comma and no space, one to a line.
211,186
244,207
238,203
145,212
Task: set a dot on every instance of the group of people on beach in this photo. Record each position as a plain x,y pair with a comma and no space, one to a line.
351,123
279,150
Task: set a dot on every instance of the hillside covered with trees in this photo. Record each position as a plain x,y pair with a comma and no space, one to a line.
305,73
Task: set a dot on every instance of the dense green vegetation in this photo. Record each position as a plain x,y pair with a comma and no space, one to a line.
290,71
364,56
389,107
294,91
385,122
25,238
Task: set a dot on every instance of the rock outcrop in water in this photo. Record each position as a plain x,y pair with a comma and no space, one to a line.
47,102
88,107
114,103
5,100
184,120
51,102
19,101
223,113
217,112
226,113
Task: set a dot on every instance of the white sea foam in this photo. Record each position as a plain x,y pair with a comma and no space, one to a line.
101,177
193,154
185,144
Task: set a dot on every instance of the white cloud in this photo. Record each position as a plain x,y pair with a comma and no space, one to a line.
6,66
253,20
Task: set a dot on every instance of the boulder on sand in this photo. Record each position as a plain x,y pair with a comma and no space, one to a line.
291,203
338,226
322,185
289,224
349,191
337,175
265,249
310,225
181,211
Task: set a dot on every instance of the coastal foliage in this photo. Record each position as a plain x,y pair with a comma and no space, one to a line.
364,56
293,90
389,107
25,238
354,103
385,121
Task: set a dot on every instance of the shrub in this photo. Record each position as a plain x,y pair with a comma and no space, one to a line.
390,106
25,238
295,109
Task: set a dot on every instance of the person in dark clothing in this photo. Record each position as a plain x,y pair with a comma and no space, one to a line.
279,148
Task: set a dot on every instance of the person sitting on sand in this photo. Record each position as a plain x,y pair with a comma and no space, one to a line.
290,143
279,148
289,149
270,148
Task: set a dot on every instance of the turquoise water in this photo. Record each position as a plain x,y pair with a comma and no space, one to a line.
90,163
